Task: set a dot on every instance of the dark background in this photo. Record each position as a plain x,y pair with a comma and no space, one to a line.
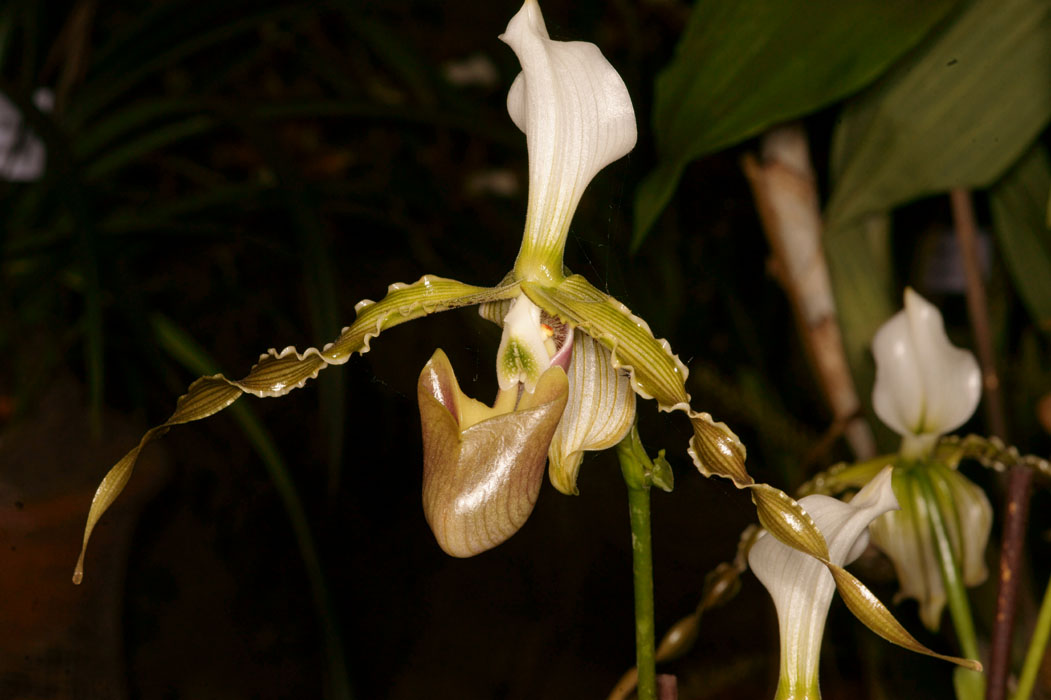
250,170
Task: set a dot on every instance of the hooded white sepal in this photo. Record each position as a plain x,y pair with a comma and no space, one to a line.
577,117
599,413
802,587
925,386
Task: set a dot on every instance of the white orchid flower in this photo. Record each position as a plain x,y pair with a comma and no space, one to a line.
925,386
802,586
483,465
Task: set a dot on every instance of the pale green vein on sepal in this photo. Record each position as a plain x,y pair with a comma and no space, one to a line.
654,370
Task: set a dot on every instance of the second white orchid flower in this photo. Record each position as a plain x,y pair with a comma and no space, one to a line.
926,387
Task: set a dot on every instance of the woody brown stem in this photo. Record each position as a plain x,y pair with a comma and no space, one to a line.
785,191
978,309
1020,479
1016,514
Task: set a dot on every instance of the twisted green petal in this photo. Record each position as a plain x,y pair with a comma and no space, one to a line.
278,373
655,372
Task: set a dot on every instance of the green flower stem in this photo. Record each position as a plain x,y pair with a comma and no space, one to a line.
1037,645
633,465
956,592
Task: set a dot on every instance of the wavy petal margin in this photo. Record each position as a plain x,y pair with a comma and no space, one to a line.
278,373
654,371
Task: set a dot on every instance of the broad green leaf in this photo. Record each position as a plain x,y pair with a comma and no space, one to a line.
1018,204
742,67
278,373
957,112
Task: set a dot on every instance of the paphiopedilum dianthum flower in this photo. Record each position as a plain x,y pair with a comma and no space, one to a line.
571,360
926,387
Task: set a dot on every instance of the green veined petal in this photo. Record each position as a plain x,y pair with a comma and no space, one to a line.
278,373
655,372
874,614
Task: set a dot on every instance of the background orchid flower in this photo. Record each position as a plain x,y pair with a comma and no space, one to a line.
481,462
926,387
802,587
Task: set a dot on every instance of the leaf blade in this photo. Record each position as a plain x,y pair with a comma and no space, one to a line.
743,67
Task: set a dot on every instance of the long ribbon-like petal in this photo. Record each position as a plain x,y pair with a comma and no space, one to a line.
785,519
802,587
278,373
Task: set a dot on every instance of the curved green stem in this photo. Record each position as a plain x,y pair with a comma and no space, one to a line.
968,683
633,465
1037,645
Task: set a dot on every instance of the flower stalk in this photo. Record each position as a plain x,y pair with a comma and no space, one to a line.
969,684
633,466
1037,645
